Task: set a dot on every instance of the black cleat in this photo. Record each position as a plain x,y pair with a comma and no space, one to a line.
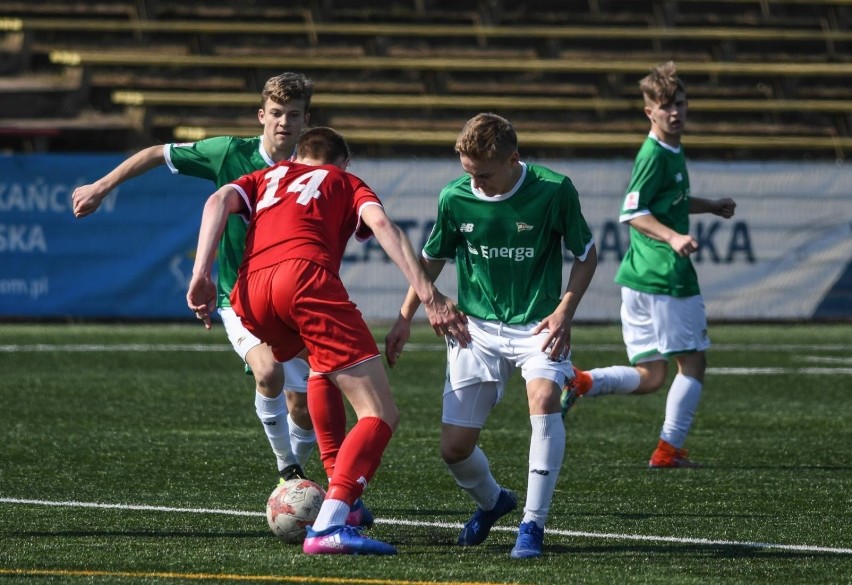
292,472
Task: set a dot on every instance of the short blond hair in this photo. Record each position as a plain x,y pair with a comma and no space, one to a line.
662,84
287,87
487,136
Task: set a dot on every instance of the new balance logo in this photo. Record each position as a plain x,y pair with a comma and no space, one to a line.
466,228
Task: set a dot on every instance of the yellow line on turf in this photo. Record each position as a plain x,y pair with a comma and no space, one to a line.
227,577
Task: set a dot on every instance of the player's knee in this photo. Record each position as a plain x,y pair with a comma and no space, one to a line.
693,365
391,417
297,404
651,377
269,379
453,454
454,450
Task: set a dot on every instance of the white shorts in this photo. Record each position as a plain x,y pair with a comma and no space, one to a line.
477,375
296,370
661,326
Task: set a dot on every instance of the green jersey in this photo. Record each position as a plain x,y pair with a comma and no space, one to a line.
507,248
659,185
222,159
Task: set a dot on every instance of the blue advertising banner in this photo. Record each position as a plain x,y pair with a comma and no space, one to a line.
130,259
787,253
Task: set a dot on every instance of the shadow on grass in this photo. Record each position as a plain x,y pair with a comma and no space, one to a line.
430,515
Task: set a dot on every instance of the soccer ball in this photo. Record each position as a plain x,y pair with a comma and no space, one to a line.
292,507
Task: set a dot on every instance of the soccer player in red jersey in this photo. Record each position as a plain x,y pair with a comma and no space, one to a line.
289,294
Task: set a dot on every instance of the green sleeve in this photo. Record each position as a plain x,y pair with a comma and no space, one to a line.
202,159
645,182
575,230
443,240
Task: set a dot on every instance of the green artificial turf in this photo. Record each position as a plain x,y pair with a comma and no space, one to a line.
132,454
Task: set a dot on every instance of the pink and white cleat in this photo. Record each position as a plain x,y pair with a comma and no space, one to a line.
343,540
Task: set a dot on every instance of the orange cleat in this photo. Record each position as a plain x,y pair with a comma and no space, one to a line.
573,389
667,455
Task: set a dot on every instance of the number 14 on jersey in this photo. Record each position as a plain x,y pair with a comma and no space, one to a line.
306,186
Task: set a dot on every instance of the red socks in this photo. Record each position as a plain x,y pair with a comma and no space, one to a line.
350,460
325,403
358,459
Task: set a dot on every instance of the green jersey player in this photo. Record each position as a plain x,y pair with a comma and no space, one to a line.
285,101
504,224
662,311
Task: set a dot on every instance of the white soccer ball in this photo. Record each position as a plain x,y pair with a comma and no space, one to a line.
292,507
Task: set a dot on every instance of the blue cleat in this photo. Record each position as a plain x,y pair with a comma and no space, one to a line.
343,540
476,529
530,541
359,515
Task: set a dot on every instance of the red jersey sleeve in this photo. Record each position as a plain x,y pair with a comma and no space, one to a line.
363,196
248,188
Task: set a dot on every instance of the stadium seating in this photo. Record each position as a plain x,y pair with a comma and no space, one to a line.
766,78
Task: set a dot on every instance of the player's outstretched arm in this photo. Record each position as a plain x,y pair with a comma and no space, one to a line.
722,207
87,198
441,311
401,330
201,295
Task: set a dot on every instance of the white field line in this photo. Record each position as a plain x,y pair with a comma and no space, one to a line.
777,371
196,347
455,526
825,359
127,347
831,370
772,371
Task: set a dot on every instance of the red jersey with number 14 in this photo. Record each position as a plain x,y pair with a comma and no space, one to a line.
301,211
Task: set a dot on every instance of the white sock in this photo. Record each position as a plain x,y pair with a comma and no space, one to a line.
473,475
332,513
681,404
547,449
272,412
302,441
613,380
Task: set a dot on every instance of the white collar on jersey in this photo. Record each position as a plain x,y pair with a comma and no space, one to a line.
503,196
266,158
663,144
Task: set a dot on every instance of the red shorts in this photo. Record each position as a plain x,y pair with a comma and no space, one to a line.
298,304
